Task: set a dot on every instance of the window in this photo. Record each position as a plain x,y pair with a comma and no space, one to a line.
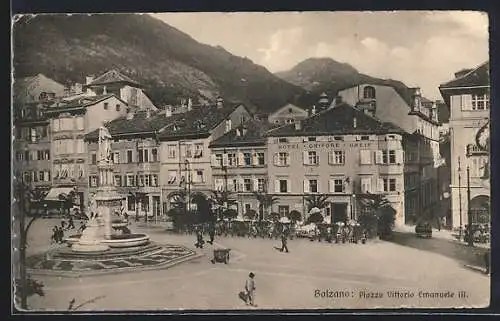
79,123
366,185
261,184
94,159
247,207
283,185
247,185
369,92
311,139
129,157
27,176
189,150
33,135
172,151
365,157
283,159
118,107
116,157
199,178
260,159
39,155
154,180
198,150
338,185
131,203
106,106
337,157
282,140
147,180
364,137
41,176
141,180
389,184
313,186
388,157
27,156
283,210
247,158
480,102
140,155
154,155
130,180
218,160
312,158
44,131
93,181
231,159
146,155
118,180
172,177
392,157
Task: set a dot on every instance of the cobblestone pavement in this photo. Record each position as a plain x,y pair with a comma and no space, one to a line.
312,275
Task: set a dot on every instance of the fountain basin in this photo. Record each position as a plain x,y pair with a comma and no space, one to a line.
116,241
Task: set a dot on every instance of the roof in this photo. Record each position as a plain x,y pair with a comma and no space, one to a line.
479,76
338,121
198,121
186,123
113,76
254,134
80,102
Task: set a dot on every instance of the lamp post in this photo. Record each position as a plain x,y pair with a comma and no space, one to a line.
460,197
470,241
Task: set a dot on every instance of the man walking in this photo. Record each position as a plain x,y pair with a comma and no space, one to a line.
211,233
284,240
250,289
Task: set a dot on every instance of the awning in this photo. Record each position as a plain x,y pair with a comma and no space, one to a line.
54,193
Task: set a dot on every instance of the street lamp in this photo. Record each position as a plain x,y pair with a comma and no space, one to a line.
469,214
460,197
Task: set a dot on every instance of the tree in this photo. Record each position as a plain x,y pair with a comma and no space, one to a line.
68,201
273,216
315,218
266,201
27,198
251,214
222,200
295,216
319,201
376,214
204,211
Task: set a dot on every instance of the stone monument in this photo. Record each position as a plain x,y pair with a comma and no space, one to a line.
103,204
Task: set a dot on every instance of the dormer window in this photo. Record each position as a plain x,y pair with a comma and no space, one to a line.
369,92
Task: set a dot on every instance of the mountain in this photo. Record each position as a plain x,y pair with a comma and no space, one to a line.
170,64
318,75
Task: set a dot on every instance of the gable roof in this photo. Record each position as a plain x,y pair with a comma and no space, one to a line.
478,77
198,121
338,121
254,134
113,76
80,102
404,92
287,106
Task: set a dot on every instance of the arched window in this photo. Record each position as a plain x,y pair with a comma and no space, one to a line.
369,92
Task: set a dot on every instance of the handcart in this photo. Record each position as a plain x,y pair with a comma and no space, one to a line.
221,256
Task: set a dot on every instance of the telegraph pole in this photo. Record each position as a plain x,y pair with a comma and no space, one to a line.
460,196
469,216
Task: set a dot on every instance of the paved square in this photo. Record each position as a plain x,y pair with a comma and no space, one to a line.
312,275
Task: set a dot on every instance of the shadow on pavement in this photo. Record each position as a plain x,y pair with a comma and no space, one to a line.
461,252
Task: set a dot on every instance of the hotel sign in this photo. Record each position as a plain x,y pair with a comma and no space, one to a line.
332,145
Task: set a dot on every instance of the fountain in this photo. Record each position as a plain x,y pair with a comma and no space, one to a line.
102,248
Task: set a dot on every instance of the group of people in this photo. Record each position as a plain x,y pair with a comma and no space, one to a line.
65,225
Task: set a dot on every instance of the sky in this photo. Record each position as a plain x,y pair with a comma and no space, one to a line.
421,48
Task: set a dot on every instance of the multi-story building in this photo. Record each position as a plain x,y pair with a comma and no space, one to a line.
70,120
417,116
185,154
287,114
36,88
239,164
31,146
342,153
160,153
468,97
115,82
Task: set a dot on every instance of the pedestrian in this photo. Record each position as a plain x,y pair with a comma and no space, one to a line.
250,289
199,237
71,224
54,236
82,226
284,240
211,232
61,234
487,259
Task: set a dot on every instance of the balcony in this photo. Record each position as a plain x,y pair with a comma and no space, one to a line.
474,150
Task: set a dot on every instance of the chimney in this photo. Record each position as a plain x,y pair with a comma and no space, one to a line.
416,98
130,114
168,111
89,79
220,102
104,90
298,124
354,122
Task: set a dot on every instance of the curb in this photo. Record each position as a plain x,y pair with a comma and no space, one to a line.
81,274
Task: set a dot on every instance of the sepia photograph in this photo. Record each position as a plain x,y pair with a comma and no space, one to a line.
250,161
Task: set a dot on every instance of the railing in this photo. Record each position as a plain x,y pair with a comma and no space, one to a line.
474,150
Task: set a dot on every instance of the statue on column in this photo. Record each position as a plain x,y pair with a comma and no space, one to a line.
104,144
92,207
